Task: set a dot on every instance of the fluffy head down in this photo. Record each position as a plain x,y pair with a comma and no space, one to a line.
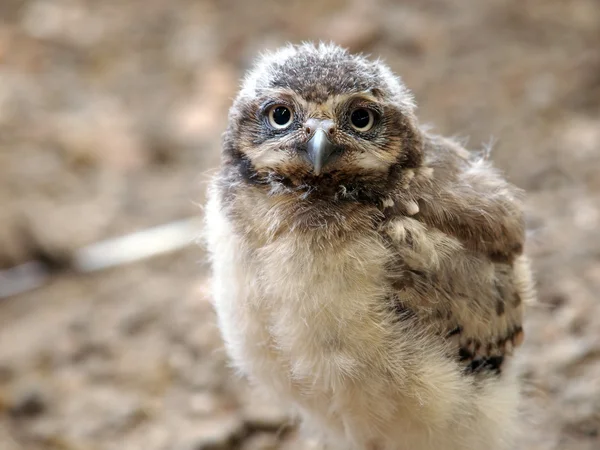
298,92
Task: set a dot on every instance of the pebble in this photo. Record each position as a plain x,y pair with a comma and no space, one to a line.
260,415
218,432
261,441
28,402
203,403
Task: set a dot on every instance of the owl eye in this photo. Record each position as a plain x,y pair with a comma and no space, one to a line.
362,119
280,117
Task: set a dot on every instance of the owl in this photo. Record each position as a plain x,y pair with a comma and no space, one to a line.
367,273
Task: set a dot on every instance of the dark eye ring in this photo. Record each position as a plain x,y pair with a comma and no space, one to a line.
280,116
362,119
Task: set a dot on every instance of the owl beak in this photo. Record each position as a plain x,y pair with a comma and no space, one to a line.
319,150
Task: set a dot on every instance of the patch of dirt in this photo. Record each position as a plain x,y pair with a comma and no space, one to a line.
110,121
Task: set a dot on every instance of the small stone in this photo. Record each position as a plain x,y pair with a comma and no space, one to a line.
203,403
262,441
104,410
264,416
219,432
28,403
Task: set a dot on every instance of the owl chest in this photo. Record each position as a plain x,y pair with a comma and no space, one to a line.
308,317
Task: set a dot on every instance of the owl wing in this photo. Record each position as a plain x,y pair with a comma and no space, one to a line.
458,266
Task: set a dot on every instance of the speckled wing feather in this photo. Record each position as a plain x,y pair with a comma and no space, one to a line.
458,235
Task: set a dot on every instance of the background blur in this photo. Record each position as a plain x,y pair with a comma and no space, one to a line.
110,120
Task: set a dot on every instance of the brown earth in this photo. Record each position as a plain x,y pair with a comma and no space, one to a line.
110,120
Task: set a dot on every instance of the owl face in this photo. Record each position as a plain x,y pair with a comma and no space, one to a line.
319,121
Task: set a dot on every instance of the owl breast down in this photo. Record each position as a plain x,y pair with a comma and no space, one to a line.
319,325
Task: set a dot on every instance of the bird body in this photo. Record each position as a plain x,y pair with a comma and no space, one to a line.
367,273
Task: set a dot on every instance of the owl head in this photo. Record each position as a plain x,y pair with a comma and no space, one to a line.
318,121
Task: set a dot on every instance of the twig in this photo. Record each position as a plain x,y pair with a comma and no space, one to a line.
105,254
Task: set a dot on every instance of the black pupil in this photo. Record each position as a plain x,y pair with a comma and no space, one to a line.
360,118
281,115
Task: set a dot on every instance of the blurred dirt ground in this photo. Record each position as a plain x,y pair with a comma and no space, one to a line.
110,121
